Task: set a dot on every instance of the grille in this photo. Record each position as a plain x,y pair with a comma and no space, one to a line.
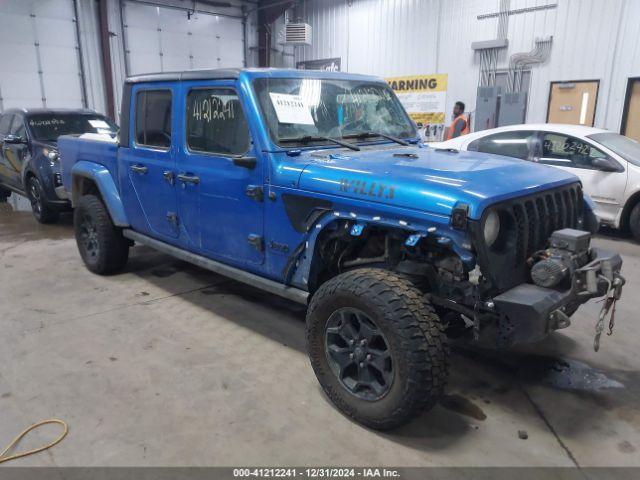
526,224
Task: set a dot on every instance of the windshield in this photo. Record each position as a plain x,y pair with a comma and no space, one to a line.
48,127
303,110
624,146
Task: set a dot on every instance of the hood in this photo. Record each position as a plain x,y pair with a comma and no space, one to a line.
44,144
426,179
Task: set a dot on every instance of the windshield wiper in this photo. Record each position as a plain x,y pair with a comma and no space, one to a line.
377,134
310,138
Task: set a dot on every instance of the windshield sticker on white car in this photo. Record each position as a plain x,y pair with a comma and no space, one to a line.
291,109
99,124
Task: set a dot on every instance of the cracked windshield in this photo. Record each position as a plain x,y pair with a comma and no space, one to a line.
313,111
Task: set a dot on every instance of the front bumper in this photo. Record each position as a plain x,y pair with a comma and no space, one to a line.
527,313
62,193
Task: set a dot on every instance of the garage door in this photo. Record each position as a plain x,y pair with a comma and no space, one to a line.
162,39
39,54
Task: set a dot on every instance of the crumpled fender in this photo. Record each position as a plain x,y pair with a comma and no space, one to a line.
107,187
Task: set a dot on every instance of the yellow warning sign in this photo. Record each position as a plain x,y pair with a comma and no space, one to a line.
423,96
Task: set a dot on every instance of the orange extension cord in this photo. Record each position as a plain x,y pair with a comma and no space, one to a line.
35,450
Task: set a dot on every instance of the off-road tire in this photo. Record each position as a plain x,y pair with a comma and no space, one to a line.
418,346
634,222
112,249
41,211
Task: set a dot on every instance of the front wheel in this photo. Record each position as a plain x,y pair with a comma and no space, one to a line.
102,247
634,222
41,211
377,347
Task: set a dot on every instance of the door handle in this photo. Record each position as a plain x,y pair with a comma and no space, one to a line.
245,162
187,178
139,169
169,177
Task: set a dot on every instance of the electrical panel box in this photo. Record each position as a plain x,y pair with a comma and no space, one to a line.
487,107
513,108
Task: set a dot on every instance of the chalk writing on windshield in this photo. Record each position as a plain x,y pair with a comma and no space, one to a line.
48,121
213,108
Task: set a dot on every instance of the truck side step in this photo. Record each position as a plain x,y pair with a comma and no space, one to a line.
257,281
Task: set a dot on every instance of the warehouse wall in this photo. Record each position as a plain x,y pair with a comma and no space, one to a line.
41,48
592,39
159,35
49,62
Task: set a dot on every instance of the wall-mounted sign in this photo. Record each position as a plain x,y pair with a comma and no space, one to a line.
328,64
423,96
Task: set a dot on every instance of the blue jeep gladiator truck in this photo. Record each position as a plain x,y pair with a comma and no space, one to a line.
315,186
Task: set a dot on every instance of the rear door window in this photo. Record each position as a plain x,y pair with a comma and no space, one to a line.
517,144
216,123
5,124
17,128
153,118
566,151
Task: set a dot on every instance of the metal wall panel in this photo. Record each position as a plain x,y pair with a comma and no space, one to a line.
116,49
161,39
39,55
592,39
91,54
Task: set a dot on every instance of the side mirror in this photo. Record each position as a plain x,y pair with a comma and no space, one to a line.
245,162
14,139
606,165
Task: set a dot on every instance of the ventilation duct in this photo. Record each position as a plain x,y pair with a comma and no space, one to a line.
520,61
296,34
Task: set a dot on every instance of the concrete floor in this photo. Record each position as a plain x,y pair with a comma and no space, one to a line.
167,364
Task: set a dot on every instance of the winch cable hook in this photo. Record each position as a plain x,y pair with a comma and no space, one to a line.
609,305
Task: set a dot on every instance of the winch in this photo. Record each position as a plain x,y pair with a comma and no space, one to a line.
568,251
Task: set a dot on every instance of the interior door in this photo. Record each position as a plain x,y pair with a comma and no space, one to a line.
5,150
631,120
219,179
573,102
576,156
150,163
17,153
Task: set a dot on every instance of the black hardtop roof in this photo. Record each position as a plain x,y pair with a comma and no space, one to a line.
52,111
215,74
235,73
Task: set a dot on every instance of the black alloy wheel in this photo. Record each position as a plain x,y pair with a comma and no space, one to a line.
41,212
359,354
88,236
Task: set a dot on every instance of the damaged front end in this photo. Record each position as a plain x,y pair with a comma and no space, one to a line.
564,276
538,269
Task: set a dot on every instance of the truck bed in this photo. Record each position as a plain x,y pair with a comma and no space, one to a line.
96,148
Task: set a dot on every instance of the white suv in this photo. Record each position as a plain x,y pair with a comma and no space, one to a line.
608,164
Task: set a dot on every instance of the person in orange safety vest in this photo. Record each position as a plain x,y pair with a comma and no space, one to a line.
460,124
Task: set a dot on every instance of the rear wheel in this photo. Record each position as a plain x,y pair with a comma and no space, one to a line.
41,211
377,347
634,222
102,246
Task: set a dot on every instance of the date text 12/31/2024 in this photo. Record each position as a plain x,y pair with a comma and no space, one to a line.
316,472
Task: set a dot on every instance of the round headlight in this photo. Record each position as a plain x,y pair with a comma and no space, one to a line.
491,228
